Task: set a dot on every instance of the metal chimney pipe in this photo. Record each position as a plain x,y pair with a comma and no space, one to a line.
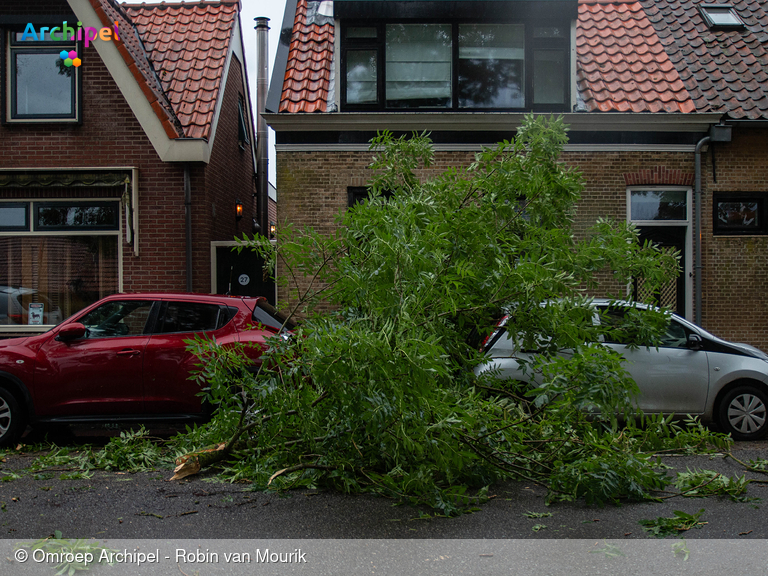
262,136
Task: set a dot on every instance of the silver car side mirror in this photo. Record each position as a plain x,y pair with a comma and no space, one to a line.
695,342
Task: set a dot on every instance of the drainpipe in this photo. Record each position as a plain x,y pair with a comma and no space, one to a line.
718,133
188,223
697,232
262,137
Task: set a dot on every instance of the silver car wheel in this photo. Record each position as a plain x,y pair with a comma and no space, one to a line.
746,413
6,418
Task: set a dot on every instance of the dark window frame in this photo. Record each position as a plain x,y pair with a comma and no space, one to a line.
713,25
9,47
720,229
113,226
532,45
359,194
224,315
243,139
27,222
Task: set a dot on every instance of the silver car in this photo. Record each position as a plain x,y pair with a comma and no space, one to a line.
690,372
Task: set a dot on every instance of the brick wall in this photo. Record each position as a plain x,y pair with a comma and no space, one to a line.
229,177
110,135
735,297
313,189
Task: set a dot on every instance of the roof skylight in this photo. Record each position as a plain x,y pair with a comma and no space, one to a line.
721,17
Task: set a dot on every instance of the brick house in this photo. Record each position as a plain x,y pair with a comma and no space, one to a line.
667,102
121,170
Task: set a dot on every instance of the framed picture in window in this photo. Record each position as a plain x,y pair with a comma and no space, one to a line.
740,214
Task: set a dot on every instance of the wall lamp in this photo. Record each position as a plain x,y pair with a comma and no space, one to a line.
238,210
272,229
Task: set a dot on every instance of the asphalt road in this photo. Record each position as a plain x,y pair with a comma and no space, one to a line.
200,527
149,505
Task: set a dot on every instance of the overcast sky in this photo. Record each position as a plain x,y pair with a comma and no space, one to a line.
251,9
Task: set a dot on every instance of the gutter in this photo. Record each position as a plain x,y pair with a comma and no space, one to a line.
485,121
188,224
717,133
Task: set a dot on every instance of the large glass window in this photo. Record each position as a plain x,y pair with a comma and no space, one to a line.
62,259
491,66
434,65
418,65
43,86
64,273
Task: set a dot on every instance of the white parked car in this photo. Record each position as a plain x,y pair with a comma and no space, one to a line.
690,372
15,307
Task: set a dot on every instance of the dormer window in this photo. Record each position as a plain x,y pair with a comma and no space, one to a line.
437,65
721,17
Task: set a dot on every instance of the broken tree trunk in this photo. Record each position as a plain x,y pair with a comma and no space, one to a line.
193,462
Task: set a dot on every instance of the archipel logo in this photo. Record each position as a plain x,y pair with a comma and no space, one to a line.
64,32
70,58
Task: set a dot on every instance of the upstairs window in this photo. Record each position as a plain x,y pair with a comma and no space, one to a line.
452,65
43,84
242,126
721,17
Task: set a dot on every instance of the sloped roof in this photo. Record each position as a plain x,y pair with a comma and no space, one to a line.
132,50
632,56
177,53
622,65
310,61
724,70
187,44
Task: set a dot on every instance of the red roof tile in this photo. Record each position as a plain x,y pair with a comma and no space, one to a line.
632,56
132,50
308,74
187,45
622,65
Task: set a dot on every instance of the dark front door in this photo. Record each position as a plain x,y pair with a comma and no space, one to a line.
672,294
242,274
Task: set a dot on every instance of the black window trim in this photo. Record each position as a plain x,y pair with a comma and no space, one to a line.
114,227
225,315
761,198
712,25
8,47
27,223
532,45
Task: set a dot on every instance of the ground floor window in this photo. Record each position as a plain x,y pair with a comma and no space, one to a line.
64,256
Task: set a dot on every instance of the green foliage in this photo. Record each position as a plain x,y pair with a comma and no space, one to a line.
70,556
132,451
657,434
380,395
703,483
681,522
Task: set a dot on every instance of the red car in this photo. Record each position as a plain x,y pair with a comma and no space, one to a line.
123,359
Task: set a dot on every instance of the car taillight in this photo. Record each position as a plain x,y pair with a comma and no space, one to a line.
491,339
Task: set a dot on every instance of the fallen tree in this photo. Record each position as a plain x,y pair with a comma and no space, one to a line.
380,394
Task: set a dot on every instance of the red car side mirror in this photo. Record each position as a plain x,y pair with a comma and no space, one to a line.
71,332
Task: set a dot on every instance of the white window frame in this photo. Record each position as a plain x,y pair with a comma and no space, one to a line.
687,222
